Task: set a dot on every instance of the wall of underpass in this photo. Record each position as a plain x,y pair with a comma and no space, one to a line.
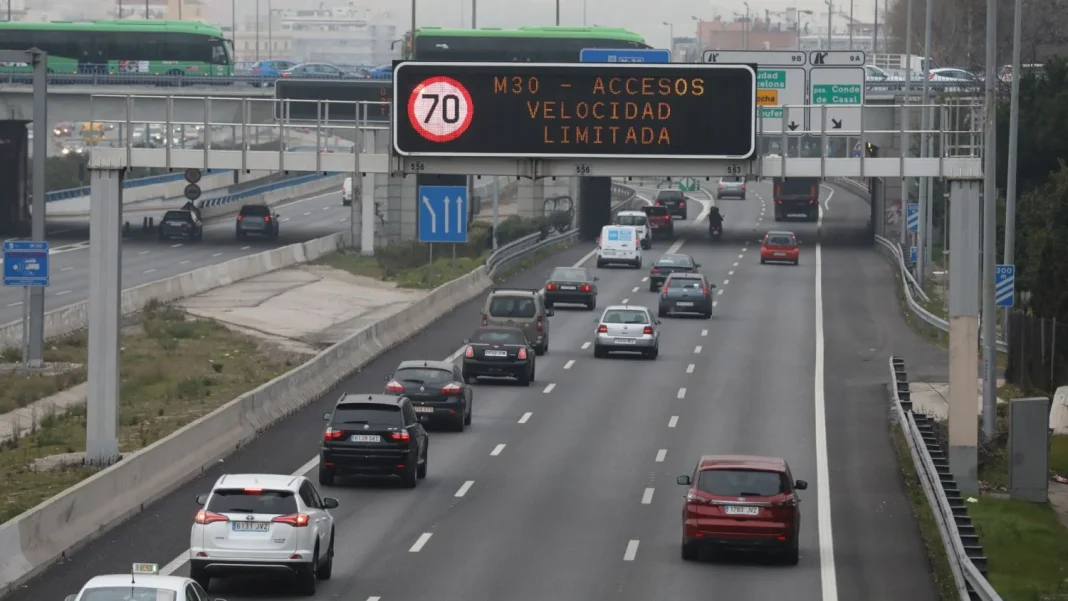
14,178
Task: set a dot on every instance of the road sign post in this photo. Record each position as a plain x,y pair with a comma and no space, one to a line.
912,254
781,79
912,216
837,81
1005,285
624,55
443,214
26,265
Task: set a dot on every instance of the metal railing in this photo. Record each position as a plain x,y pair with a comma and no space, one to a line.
264,189
965,573
151,180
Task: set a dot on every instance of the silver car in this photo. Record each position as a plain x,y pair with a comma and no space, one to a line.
626,328
731,187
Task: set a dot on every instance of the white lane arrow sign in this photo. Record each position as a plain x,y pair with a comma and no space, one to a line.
448,202
433,215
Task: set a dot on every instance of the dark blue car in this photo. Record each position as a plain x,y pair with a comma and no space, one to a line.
383,72
268,71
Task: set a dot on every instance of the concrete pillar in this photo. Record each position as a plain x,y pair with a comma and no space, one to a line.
105,314
530,198
14,157
964,218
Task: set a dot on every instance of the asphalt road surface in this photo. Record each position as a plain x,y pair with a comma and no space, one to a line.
566,490
149,260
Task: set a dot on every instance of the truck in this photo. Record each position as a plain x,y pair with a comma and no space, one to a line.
797,196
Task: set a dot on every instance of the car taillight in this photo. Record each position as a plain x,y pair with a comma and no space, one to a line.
602,330
658,203
667,217
394,386
648,330
470,352
541,324
240,217
401,436
267,218
743,186
550,286
930,76
681,204
284,74
208,517
332,434
256,71
694,498
705,290
485,321
719,185
654,270
452,389
297,520
522,353
585,288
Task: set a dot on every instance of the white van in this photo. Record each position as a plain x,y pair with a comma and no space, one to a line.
346,192
639,221
619,244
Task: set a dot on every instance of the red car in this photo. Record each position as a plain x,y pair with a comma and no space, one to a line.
742,502
780,247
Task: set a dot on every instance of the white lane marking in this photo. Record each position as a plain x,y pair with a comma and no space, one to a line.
326,208
674,421
285,219
144,252
647,496
179,245
585,345
217,255
675,247
549,388
148,271
635,289
374,599
828,574
184,262
626,300
497,450
645,279
308,213
569,364
632,548
245,247
14,304
525,418
175,563
421,542
704,332
66,269
735,264
725,282
466,487
830,195
719,292
661,455
740,257
697,350
62,293
681,394
689,368
731,272
344,219
714,304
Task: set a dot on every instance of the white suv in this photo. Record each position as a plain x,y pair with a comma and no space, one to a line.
263,523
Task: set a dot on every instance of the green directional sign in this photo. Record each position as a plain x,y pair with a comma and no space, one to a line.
688,184
771,79
774,112
837,94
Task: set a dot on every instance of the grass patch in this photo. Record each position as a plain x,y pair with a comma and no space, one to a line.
1058,455
921,509
1026,545
352,262
20,389
441,271
174,371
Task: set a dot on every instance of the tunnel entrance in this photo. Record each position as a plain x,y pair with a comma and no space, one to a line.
14,177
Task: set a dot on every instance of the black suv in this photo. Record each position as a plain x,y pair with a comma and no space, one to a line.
437,391
674,200
258,220
181,224
373,435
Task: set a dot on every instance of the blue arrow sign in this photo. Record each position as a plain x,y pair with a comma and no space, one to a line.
624,55
25,263
443,214
912,254
1005,285
913,217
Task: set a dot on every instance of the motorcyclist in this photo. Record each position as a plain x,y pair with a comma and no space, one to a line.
715,218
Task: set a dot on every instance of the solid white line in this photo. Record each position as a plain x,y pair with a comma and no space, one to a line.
626,300
674,421
66,269
681,394
62,293
632,546
184,262
421,542
525,418
830,195
697,350
245,247
704,332
174,565
689,368
635,289
585,345
148,271
497,450
828,574
216,254
660,455
176,245
466,487
145,252
549,388
647,496
675,247
569,364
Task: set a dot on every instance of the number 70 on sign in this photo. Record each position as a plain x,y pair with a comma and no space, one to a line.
443,214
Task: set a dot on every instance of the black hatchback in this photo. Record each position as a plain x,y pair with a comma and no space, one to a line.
373,435
667,265
499,352
437,391
571,285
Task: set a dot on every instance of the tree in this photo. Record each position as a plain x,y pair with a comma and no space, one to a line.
1043,224
1043,138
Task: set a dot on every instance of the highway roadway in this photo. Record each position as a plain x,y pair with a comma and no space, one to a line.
147,260
566,490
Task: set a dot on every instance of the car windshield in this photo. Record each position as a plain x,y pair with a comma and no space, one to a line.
512,306
732,178
499,337
670,195
684,283
635,220
240,500
780,241
366,413
423,375
177,216
127,593
256,210
568,274
674,261
742,483
627,316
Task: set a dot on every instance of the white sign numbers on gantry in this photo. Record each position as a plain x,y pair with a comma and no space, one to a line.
785,78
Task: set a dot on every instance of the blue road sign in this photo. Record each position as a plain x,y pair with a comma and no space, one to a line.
443,214
1005,285
25,263
912,254
913,215
624,55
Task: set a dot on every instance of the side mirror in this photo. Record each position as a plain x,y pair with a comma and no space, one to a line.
596,279
801,485
549,312
481,311
711,285
329,503
202,498
327,416
696,264
467,341
389,377
683,480
658,322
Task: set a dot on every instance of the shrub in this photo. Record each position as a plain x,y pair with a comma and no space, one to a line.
395,258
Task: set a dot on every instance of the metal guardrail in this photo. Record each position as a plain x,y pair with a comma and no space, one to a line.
151,180
965,573
286,183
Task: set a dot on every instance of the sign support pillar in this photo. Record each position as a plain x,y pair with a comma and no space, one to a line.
964,220
39,60
105,315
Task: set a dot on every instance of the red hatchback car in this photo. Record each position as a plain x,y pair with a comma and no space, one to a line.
780,247
742,502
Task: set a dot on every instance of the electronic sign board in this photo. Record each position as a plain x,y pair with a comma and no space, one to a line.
340,92
583,110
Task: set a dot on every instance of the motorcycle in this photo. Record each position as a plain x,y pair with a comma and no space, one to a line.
715,231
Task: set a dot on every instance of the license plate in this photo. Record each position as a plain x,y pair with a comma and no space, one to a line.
609,252
176,223
251,526
496,353
568,288
736,510
780,254
365,438
424,409
626,341
684,304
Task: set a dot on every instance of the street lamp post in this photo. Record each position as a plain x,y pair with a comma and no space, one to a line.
270,30
830,24
146,9
558,13
671,37
851,25
258,31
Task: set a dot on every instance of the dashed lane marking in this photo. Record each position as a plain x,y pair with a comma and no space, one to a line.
186,262
632,551
216,255
647,496
569,364
66,269
144,252
179,245
421,542
525,418
661,455
245,247
645,279
63,293
497,450
585,345
682,394
635,289
549,388
466,487
148,271
689,368
704,332
697,349
674,421
626,300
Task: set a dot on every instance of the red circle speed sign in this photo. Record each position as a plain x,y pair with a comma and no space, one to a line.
440,109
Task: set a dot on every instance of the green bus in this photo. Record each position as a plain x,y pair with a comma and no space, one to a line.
127,47
528,44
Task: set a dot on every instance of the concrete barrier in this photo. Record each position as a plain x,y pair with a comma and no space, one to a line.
32,541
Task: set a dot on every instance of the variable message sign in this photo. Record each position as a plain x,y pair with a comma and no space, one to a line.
584,110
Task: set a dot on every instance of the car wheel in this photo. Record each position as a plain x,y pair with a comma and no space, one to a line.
654,353
470,378
689,552
763,262
523,379
420,472
598,352
533,371
327,567
600,264
792,555
470,413
743,196
591,304
652,286
410,476
458,424
306,576
200,576
548,304
708,315
797,262
542,348
326,476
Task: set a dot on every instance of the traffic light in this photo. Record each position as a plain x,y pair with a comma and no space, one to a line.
871,151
